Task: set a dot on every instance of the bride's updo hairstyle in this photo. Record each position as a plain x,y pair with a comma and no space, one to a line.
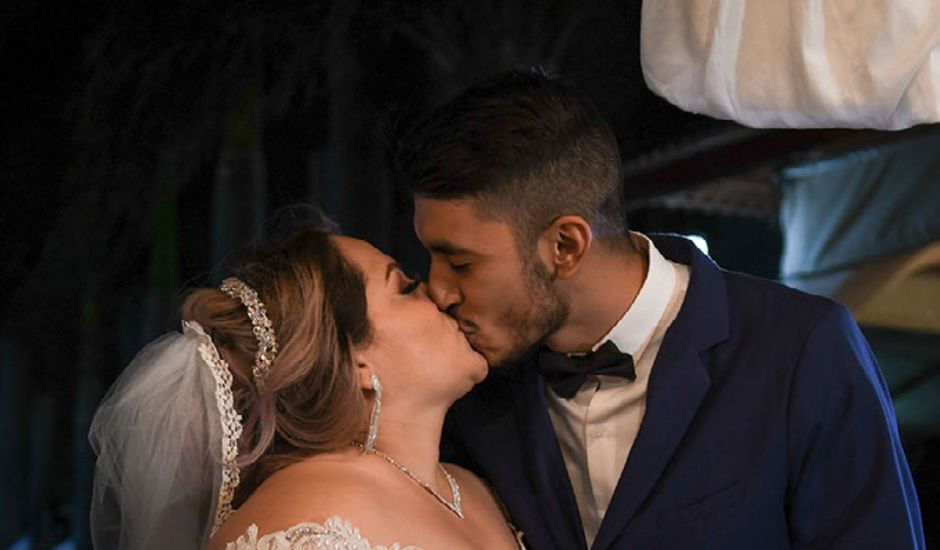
311,401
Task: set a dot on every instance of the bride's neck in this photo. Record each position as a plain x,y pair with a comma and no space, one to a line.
412,441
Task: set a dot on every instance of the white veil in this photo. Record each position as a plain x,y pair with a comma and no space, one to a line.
166,438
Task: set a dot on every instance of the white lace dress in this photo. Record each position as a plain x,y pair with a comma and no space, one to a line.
333,534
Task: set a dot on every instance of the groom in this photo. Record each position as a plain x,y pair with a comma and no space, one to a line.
640,396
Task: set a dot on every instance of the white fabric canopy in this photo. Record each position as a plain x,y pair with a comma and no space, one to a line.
796,63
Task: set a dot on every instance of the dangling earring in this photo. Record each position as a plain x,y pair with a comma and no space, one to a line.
374,417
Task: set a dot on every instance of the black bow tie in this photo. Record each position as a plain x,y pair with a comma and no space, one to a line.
566,374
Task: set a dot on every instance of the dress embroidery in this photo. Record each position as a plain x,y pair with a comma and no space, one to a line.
334,534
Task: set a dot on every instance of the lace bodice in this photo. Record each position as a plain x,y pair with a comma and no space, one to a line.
333,534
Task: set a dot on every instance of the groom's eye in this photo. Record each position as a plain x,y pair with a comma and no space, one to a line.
459,267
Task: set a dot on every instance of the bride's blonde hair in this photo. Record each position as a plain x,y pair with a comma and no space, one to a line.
311,401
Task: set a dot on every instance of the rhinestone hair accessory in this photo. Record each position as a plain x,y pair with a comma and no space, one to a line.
261,326
231,422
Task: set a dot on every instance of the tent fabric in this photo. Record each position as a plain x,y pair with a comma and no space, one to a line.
796,64
839,214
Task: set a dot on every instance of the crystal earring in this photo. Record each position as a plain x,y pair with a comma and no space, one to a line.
374,417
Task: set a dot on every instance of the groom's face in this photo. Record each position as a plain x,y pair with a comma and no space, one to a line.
505,303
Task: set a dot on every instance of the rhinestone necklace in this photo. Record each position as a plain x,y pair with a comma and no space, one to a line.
454,488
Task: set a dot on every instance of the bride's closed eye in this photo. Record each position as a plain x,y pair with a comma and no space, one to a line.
411,286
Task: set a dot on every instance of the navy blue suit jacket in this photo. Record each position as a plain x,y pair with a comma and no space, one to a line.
768,425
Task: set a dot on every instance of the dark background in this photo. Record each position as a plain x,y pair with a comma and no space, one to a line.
141,143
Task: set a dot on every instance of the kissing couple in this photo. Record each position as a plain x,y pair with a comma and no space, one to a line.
559,382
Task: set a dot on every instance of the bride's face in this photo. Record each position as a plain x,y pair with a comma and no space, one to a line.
415,347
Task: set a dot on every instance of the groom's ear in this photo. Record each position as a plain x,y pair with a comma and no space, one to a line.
565,242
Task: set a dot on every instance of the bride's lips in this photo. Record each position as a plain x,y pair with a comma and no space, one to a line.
468,338
466,333
469,331
459,325
466,327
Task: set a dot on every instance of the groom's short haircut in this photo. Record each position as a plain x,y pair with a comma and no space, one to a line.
526,148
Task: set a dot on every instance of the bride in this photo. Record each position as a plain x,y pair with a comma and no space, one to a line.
301,407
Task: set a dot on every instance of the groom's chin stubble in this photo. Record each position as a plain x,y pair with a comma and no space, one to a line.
514,364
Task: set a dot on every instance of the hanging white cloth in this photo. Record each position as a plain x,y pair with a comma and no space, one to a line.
796,63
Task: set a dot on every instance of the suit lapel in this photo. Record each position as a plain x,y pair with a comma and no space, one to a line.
678,383
545,466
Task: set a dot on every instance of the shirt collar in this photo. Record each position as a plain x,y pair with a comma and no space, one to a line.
634,329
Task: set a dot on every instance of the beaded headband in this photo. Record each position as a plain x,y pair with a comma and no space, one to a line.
261,326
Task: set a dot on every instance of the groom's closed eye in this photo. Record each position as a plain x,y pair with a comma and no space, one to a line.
457,258
458,263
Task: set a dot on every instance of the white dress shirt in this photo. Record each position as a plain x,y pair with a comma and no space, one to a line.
597,427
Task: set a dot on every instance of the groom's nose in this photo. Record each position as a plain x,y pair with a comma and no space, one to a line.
442,287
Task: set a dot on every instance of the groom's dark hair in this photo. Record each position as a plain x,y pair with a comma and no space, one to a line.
526,148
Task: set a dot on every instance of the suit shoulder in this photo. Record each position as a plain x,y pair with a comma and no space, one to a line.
766,317
751,294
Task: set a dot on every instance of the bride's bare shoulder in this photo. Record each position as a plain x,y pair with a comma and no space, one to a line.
334,484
